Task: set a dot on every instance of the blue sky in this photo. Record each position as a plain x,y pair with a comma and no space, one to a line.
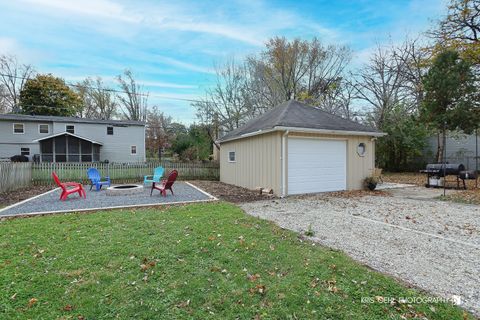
172,46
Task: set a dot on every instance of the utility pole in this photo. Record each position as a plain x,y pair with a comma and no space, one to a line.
444,157
476,157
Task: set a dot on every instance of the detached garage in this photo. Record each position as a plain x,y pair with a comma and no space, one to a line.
295,149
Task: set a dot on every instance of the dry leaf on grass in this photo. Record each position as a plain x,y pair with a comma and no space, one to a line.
253,277
183,304
259,288
68,307
31,302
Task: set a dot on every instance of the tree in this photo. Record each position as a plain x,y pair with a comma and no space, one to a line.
3,100
227,103
414,59
193,145
381,83
134,99
338,100
451,97
99,102
13,77
300,69
157,136
404,142
49,95
460,29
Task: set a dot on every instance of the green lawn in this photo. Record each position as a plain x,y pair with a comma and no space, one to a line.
197,261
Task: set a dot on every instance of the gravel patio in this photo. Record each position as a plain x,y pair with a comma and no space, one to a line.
49,202
431,244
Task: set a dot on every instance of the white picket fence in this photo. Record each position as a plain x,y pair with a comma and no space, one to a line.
18,175
15,175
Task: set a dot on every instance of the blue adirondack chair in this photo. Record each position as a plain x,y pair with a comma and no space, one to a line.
96,179
157,176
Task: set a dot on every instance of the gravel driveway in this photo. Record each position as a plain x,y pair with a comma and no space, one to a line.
434,245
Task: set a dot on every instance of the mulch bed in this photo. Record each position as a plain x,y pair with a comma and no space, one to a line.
228,192
11,197
236,194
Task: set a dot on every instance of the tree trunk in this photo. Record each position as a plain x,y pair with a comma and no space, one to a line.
440,146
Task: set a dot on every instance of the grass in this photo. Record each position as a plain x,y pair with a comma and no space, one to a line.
202,261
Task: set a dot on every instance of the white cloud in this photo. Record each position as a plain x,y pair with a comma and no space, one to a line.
182,64
254,23
95,8
224,30
8,46
168,85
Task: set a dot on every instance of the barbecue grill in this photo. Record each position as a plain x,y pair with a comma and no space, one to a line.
437,172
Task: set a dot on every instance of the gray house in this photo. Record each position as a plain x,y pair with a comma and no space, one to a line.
460,148
69,139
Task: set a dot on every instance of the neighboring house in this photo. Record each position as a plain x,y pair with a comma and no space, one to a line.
295,148
460,148
457,145
68,139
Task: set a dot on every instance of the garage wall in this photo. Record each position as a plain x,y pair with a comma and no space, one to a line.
258,162
358,168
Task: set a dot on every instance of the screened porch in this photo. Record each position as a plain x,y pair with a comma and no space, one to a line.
67,147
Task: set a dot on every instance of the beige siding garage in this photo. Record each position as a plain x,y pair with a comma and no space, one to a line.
258,160
314,149
257,163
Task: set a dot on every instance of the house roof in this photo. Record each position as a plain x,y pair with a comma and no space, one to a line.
37,118
67,134
294,115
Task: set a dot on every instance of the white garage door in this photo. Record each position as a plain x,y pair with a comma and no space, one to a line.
316,165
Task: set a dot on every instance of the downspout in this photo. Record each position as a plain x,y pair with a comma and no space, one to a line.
284,164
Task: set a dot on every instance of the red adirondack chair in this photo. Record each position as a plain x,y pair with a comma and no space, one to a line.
69,188
165,184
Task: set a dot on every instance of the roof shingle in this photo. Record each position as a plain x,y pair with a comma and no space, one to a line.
298,115
25,117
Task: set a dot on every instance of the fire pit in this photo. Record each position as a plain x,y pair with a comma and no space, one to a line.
124,190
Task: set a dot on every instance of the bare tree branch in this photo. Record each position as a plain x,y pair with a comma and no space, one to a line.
134,99
13,76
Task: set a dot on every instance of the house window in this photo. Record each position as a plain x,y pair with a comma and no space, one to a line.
43,128
110,131
361,149
70,128
231,156
25,151
133,149
18,128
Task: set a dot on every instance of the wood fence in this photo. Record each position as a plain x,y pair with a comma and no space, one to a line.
122,172
18,175
14,175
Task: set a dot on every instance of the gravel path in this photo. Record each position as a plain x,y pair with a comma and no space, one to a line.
434,245
49,202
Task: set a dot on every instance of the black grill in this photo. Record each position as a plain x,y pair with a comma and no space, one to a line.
436,171
447,169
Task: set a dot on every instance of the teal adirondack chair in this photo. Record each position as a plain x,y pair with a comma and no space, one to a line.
157,176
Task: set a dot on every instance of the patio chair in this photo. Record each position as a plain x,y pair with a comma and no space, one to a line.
377,173
157,176
69,188
96,179
166,184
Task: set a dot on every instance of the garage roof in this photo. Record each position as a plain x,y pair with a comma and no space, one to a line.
296,115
